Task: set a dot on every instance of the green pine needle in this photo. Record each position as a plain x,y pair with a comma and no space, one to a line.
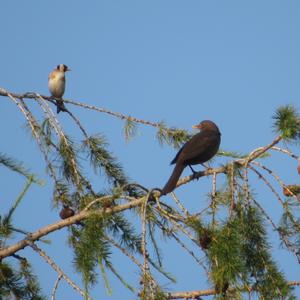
171,136
69,164
130,129
102,159
19,284
105,278
287,122
17,166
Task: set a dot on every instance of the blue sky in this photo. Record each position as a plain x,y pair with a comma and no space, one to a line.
180,62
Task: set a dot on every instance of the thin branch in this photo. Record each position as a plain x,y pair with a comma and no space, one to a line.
211,292
170,231
179,204
281,235
285,151
232,189
57,269
123,250
32,122
260,176
7,251
31,95
277,178
145,270
55,286
259,151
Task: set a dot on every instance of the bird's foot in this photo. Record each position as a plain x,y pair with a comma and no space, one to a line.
194,172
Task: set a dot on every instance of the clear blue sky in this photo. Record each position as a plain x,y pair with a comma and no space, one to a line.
233,62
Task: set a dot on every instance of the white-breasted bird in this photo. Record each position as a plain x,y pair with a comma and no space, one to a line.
56,85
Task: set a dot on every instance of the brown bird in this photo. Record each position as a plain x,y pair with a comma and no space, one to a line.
56,85
199,149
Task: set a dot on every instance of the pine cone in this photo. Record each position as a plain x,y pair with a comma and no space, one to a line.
291,190
66,212
205,240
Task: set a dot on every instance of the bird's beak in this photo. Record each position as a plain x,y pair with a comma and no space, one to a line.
198,126
68,70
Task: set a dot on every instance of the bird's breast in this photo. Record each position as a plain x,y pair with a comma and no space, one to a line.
56,85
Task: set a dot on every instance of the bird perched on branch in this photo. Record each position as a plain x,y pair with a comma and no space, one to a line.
199,149
56,85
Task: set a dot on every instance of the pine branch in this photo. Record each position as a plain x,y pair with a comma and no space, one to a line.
130,129
21,283
101,158
18,167
287,123
7,219
171,136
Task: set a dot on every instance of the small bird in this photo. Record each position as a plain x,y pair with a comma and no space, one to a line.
199,149
56,85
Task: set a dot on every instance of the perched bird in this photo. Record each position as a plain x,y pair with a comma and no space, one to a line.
199,149
56,85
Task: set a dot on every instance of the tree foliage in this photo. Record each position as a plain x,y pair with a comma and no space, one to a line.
231,233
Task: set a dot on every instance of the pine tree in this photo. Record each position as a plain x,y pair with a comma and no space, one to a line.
231,234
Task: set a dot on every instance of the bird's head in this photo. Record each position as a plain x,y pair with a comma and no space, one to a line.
63,68
207,125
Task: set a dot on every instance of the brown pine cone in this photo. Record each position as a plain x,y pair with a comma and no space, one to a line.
66,212
291,190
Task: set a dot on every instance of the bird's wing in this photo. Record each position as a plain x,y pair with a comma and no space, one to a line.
197,145
176,157
52,75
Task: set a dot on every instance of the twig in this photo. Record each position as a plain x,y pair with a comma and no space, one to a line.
285,151
123,250
169,231
179,204
32,122
284,239
232,189
55,286
246,184
145,270
49,113
260,176
277,178
57,269
210,292
76,120
32,95
256,153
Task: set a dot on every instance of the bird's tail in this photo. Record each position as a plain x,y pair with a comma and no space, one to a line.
171,184
60,106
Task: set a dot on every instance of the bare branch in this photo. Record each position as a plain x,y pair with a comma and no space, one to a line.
32,95
57,269
55,287
210,292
